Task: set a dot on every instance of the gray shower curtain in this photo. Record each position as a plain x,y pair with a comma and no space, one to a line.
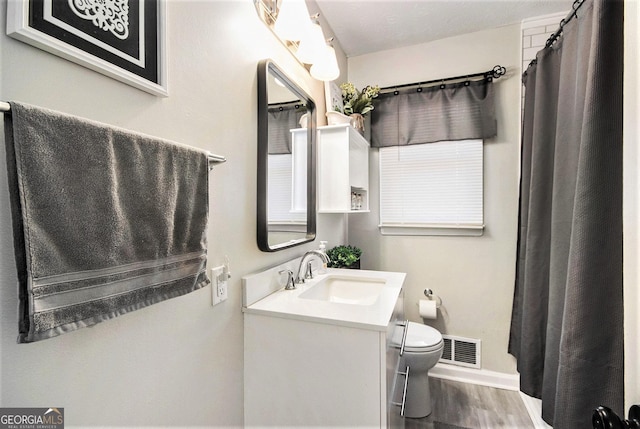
567,321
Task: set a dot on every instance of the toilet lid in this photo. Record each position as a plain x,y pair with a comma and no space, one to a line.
421,337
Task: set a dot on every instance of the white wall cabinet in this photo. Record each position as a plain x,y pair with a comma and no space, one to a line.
343,170
299,170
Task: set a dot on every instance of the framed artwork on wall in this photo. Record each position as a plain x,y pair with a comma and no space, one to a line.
123,39
333,96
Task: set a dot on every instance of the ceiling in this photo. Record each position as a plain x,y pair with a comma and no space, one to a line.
365,26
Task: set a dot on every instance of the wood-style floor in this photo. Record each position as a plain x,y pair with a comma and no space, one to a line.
473,407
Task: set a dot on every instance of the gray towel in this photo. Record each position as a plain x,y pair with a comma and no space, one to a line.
105,221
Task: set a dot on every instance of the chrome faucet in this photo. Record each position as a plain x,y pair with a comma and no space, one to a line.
323,256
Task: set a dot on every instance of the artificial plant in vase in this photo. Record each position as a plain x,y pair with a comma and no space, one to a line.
344,256
358,103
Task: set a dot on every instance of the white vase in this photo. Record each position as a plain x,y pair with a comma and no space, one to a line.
304,119
336,118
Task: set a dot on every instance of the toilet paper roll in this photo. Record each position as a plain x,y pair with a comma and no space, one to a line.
428,309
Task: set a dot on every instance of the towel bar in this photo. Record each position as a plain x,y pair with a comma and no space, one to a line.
213,159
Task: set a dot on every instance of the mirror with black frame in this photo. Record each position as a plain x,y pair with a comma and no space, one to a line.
286,161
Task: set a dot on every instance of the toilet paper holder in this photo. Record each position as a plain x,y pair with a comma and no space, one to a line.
429,294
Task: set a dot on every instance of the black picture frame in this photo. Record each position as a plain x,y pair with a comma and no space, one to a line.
121,39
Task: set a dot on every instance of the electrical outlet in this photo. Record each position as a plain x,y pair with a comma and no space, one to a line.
218,285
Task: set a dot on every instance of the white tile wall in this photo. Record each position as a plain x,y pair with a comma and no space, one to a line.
535,33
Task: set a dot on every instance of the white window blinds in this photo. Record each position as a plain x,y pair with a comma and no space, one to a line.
432,188
280,206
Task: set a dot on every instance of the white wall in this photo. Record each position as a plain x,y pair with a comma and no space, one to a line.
178,362
474,276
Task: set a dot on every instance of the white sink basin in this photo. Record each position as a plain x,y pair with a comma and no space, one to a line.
346,290
356,298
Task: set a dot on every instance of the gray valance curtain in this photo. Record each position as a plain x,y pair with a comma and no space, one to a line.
283,118
458,111
567,320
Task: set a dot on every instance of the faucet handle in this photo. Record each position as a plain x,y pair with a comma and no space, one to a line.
290,284
309,274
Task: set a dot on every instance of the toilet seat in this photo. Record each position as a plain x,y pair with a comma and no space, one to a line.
422,338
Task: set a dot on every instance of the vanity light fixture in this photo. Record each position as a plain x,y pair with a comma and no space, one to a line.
291,23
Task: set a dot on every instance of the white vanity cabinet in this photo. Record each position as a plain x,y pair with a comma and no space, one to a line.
306,372
343,170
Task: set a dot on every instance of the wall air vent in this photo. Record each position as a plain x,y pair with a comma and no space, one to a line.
461,351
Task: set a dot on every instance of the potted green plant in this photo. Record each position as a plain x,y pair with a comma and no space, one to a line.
357,103
344,256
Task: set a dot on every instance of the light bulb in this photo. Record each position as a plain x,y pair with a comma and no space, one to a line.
312,45
292,21
327,68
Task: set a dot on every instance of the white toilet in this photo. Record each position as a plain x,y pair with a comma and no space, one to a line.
423,349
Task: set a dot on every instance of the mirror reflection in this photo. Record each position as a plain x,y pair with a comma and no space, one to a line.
286,129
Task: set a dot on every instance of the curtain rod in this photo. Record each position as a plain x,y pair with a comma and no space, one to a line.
573,14
213,159
495,73
296,104
554,36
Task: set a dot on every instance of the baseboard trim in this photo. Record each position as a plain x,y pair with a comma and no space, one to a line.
482,377
534,408
499,380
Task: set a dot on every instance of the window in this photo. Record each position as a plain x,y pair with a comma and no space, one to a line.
432,189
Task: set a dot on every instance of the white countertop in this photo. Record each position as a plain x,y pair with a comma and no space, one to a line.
288,304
